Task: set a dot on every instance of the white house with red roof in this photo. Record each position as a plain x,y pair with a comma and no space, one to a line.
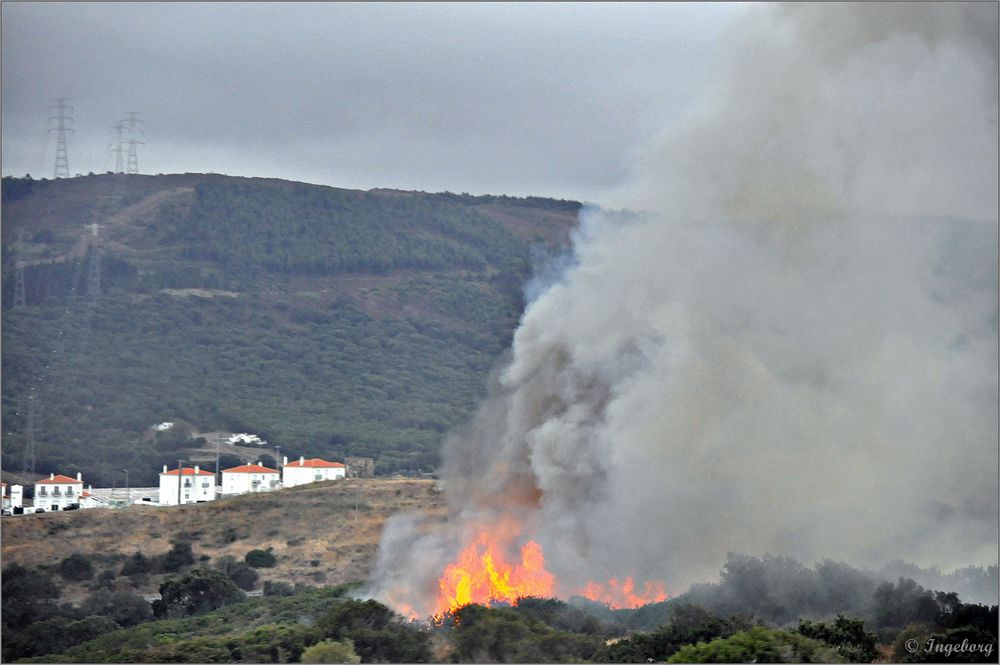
306,471
13,496
196,486
57,491
249,478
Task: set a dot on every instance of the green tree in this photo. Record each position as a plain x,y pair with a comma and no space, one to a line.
758,645
379,634
76,567
28,599
137,564
260,558
125,609
274,588
243,576
331,651
904,603
196,592
177,557
853,642
55,635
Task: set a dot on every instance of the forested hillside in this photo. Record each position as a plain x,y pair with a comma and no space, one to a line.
332,322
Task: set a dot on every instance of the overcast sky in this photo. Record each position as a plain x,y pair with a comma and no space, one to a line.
546,99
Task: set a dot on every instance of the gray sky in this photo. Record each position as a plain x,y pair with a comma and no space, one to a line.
547,99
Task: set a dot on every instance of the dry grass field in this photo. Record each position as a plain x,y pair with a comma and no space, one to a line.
324,533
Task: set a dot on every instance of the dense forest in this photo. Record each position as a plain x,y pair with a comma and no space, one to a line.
204,615
331,322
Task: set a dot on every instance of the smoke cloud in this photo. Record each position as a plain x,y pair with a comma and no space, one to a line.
793,350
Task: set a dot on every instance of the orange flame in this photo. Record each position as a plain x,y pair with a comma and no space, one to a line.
617,595
481,574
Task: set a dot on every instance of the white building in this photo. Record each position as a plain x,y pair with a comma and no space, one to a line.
249,478
57,492
13,499
306,471
163,427
246,439
197,486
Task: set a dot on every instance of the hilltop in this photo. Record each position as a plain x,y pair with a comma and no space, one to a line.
332,322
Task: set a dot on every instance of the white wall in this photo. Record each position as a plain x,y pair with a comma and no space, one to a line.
297,475
244,483
56,496
200,487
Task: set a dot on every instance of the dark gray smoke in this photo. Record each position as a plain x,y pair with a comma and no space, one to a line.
793,351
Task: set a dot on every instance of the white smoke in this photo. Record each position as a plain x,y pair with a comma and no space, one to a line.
794,351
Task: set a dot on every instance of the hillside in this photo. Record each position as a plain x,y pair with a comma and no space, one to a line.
333,322
320,534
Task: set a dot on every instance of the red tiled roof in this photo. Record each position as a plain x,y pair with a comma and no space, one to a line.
316,463
250,468
85,495
61,480
188,471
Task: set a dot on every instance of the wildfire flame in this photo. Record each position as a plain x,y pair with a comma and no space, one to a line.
482,574
617,594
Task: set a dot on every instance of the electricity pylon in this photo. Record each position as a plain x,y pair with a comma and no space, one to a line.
63,119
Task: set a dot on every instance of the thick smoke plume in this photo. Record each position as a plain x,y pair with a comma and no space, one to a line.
794,350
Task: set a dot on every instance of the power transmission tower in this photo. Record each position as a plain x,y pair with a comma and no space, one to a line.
132,124
63,119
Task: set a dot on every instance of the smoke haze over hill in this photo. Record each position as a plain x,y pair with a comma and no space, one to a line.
793,350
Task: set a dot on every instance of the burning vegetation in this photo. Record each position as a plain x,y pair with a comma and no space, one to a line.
483,574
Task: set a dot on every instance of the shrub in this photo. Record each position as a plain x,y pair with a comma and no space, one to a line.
76,567
260,558
125,609
379,634
331,651
136,564
758,645
179,556
243,576
106,579
198,591
278,588
853,642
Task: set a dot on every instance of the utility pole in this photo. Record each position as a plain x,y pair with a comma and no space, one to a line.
63,118
118,128
180,477
132,123
128,489
218,444
94,275
29,443
277,451
19,294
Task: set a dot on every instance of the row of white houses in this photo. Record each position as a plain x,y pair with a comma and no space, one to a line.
198,485
181,486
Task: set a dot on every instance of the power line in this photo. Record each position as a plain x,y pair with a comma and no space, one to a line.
63,118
